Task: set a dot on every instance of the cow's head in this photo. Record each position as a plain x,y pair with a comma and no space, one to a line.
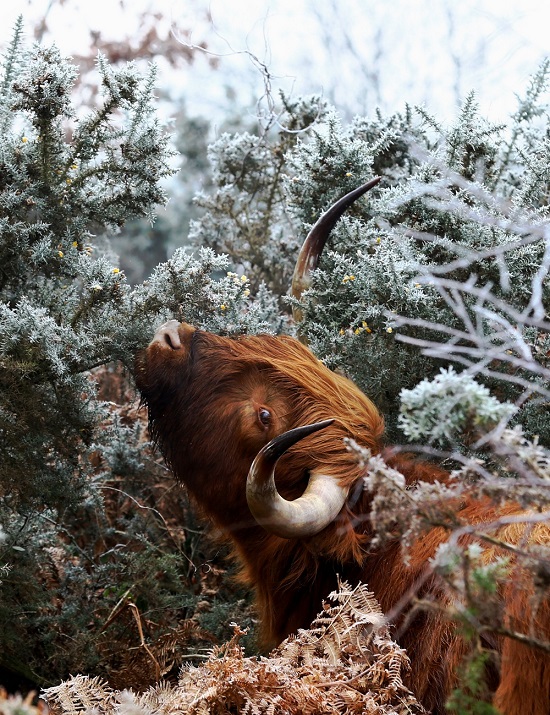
227,411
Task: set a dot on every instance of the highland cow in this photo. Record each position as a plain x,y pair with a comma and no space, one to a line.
254,426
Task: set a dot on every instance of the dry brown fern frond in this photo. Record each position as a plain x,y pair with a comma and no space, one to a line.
339,630
345,664
81,694
140,666
19,705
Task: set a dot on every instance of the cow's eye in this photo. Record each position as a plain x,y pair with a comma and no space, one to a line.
264,416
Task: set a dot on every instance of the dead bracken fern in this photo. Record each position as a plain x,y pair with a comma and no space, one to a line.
18,705
345,663
140,666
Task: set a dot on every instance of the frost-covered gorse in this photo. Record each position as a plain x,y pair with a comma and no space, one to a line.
69,177
445,262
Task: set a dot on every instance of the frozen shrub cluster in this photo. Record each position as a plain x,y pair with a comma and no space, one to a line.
81,540
444,262
246,213
450,256
446,407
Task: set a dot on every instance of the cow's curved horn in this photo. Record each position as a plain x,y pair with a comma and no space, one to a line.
308,258
309,514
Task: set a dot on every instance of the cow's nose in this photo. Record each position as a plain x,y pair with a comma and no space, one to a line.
173,335
167,335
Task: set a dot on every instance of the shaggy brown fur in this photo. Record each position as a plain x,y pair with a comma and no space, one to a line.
204,404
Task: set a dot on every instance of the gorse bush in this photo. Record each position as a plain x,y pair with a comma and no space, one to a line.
246,215
59,303
72,549
451,250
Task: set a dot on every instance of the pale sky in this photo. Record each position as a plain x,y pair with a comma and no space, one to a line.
359,53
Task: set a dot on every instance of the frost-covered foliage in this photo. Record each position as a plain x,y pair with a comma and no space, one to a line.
68,178
451,250
445,408
246,215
